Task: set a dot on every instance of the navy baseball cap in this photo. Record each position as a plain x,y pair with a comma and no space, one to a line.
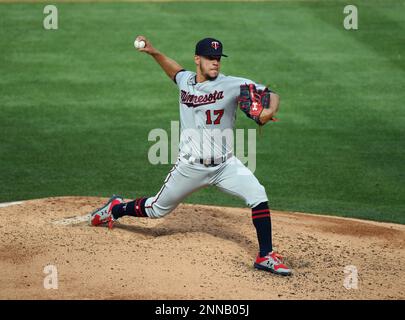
209,47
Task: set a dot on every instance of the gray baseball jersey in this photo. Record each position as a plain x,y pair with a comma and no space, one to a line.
207,110
207,113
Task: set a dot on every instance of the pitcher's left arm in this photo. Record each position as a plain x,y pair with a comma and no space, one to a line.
268,114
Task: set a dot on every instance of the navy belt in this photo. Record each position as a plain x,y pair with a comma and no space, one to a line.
213,162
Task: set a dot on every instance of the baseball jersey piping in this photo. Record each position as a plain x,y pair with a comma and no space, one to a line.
174,78
162,188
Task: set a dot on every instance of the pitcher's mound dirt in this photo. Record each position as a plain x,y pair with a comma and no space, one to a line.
196,252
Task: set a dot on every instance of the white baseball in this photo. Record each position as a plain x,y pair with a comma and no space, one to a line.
139,44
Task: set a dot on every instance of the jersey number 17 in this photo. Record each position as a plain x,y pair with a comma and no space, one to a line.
218,113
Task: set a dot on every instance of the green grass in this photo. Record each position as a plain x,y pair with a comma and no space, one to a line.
77,104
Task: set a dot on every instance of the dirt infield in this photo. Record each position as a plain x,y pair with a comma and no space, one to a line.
196,252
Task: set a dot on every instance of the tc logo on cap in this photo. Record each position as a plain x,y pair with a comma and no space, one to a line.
215,44
209,47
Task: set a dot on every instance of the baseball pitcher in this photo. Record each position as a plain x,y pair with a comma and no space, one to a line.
208,101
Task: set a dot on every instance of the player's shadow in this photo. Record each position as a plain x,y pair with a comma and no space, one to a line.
218,224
